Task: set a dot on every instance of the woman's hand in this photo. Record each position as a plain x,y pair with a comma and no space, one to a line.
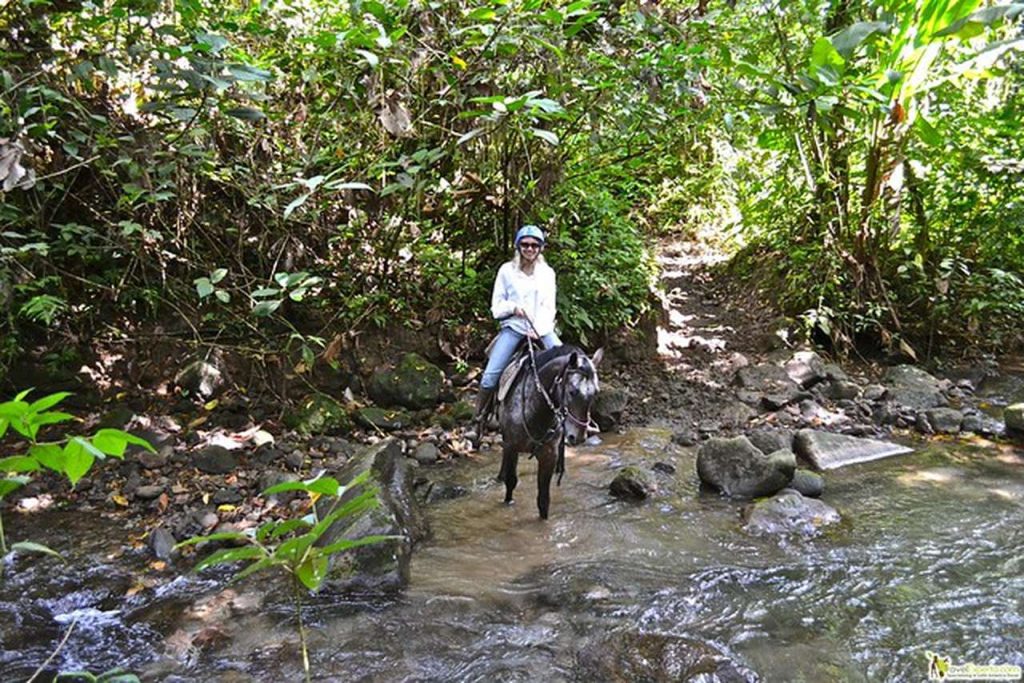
519,313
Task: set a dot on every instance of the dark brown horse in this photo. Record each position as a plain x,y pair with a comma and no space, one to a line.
547,408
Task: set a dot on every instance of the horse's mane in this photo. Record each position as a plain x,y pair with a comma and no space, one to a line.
548,355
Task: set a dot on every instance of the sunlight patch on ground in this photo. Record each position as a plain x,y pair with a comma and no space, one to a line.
946,475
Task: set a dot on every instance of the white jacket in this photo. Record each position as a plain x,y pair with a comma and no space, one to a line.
534,293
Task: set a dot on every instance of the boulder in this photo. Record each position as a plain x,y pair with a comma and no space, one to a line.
808,483
632,483
608,407
912,387
788,513
386,564
738,468
828,451
770,440
319,414
1014,417
383,419
413,382
806,368
940,421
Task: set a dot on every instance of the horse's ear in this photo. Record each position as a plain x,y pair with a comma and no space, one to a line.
574,360
596,358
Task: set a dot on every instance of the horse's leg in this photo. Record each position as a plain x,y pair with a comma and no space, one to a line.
509,464
545,468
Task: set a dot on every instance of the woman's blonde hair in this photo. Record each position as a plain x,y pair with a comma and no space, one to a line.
516,261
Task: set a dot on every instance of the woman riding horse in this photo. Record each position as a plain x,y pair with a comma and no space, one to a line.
524,301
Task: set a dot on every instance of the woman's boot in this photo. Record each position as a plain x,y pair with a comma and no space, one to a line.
484,399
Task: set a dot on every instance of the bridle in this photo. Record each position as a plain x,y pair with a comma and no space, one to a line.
561,411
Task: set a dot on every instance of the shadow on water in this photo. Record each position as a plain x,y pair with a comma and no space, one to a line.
927,558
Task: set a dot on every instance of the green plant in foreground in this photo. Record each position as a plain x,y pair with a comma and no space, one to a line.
291,545
71,456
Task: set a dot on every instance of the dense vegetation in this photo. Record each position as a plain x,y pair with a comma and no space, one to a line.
281,171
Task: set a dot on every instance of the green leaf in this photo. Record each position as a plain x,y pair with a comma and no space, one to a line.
222,296
39,548
218,275
250,552
545,135
219,536
313,571
265,308
851,37
78,460
296,203
49,455
50,418
244,72
110,441
973,24
253,568
8,484
48,401
324,485
370,58
19,463
350,543
203,287
824,54
245,113
926,131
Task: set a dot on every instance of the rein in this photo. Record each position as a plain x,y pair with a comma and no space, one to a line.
561,413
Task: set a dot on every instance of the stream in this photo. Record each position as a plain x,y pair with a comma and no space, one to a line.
927,558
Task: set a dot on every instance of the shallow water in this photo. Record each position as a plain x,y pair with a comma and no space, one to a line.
928,557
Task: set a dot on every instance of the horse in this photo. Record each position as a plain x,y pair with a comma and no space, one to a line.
547,407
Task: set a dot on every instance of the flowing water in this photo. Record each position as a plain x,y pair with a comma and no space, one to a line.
928,558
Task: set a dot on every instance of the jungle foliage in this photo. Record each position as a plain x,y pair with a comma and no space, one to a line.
279,171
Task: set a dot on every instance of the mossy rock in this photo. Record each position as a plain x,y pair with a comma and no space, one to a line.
319,414
454,414
414,383
385,419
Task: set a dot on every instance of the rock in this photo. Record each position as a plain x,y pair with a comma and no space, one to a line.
842,389
664,468
737,414
438,491
983,425
608,407
828,451
200,378
806,368
295,459
413,383
769,380
874,392
943,420
1014,417
656,658
833,373
161,542
770,440
117,418
631,483
215,460
154,461
685,438
739,469
227,496
267,454
386,564
808,483
387,420
914,388
426,453
149,492
789,513
319,414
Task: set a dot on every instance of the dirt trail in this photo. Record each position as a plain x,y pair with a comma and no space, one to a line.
709,327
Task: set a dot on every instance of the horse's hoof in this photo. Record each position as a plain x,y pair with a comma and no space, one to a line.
510,502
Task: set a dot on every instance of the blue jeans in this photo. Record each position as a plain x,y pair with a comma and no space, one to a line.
501,353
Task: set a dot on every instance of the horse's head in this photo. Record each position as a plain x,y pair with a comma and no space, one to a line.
578,388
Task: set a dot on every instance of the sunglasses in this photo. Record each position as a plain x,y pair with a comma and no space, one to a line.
529,245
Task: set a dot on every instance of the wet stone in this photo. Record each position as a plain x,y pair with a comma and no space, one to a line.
808,483
266,454
161,543
631,483
426,453
789,513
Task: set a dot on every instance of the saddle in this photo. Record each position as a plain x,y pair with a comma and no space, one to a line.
511,371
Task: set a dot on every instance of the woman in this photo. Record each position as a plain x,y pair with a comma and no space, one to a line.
524,301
